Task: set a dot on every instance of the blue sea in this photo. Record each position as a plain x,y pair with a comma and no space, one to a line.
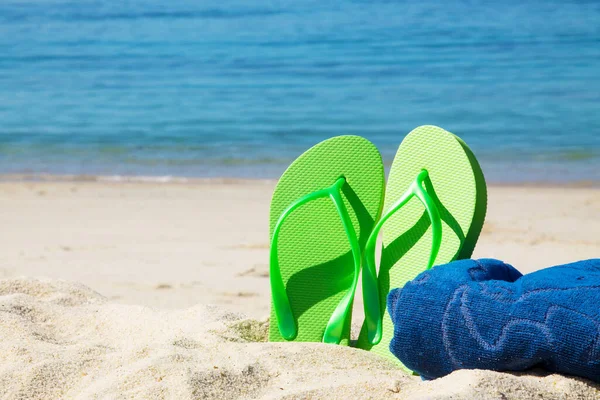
238,88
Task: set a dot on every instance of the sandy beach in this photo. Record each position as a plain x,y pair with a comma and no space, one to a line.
167,287
178,245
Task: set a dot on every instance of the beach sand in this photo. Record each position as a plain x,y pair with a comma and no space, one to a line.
176,294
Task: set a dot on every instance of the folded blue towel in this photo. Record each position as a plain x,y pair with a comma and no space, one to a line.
485,314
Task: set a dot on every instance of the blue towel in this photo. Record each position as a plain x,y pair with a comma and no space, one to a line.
485,314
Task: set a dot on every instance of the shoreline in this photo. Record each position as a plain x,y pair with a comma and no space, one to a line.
168,179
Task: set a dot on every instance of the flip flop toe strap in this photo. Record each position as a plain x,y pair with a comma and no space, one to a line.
283,310
373,314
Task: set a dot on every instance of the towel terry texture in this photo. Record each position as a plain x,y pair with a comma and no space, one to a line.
485,314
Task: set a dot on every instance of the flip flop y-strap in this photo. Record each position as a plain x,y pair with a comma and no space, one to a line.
421,188
285,317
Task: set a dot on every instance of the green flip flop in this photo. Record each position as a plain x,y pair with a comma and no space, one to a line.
322,211
434,208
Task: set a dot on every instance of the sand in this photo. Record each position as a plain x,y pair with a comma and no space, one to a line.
183,276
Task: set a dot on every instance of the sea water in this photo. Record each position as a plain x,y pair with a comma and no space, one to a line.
240,88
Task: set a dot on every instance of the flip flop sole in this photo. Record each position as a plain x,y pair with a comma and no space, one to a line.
460,187
314,253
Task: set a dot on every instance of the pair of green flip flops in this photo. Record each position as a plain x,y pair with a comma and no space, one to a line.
326,215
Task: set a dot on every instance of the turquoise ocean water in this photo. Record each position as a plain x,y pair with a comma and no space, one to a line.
238,89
